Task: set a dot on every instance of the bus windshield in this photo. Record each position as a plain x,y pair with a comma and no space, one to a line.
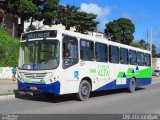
39,55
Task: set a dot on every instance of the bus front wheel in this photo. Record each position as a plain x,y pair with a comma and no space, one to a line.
84,91
132,85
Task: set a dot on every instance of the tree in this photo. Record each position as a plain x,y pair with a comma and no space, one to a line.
31,28
34,9
85,22
120,30
146,46
70,16
154,50
24,9
66,16
49,11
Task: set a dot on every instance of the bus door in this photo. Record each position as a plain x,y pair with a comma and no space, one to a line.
87,64
70,58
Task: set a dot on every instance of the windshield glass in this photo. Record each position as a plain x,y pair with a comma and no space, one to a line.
40,55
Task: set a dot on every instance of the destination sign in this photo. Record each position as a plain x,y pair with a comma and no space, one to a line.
39,34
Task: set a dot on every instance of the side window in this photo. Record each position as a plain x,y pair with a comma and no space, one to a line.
140,58
147,59
113,54
86,50
70,51
101,52
123,56
132,57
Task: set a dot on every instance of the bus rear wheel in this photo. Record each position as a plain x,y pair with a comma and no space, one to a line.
132,85
84,91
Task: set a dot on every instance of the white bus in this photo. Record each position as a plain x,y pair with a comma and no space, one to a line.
62,62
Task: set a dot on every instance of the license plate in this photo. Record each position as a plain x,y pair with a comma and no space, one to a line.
33,88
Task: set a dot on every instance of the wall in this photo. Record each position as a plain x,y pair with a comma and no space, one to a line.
5,72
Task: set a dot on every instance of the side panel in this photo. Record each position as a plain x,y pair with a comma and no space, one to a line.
123,74
70,77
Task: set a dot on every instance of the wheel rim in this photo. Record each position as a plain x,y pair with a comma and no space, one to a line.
132,85
85,90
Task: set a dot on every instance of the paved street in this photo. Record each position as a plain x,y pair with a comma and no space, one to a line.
7,86
145,100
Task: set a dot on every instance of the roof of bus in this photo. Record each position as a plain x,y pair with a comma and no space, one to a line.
101,40
104,40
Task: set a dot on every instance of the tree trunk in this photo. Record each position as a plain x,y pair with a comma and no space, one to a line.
13,29
21,27
3,19
67,27
31,21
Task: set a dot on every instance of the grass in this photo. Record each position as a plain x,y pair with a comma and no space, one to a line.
6,94
9,49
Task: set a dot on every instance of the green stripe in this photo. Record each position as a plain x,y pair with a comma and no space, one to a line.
144,73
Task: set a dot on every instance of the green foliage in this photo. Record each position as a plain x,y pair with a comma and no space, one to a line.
21,8
9,49
31,28
69,16
66,16
120,30
146,46
51,13
85,22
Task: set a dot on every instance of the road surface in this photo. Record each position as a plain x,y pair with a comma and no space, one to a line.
144,100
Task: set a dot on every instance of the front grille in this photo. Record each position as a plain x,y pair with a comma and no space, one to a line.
35,75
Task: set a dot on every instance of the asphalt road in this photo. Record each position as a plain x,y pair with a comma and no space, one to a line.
144,100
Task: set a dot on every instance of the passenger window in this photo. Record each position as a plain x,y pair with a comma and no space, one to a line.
86,50
70,51
132,57
101,52
113,54
123,56
140,58
147,60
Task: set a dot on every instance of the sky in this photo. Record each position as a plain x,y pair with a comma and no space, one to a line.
145,14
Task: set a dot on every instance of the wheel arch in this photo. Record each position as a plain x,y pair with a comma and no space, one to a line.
134,78
88,79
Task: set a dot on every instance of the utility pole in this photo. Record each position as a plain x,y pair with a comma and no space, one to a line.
151,40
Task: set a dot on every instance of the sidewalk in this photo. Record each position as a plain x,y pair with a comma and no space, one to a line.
7,86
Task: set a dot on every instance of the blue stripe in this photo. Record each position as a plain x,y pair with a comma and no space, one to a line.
50,88
112,85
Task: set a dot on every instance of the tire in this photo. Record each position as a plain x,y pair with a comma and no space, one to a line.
84,91
132,85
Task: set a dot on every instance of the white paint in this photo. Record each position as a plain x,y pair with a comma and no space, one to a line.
5,72
158,64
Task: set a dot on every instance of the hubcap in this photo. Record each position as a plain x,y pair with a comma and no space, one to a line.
84,90
132,85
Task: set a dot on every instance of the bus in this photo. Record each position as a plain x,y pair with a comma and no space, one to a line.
63,62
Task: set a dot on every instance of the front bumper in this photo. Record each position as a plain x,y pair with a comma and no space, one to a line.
47,88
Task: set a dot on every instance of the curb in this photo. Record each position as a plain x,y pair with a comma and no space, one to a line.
7,97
